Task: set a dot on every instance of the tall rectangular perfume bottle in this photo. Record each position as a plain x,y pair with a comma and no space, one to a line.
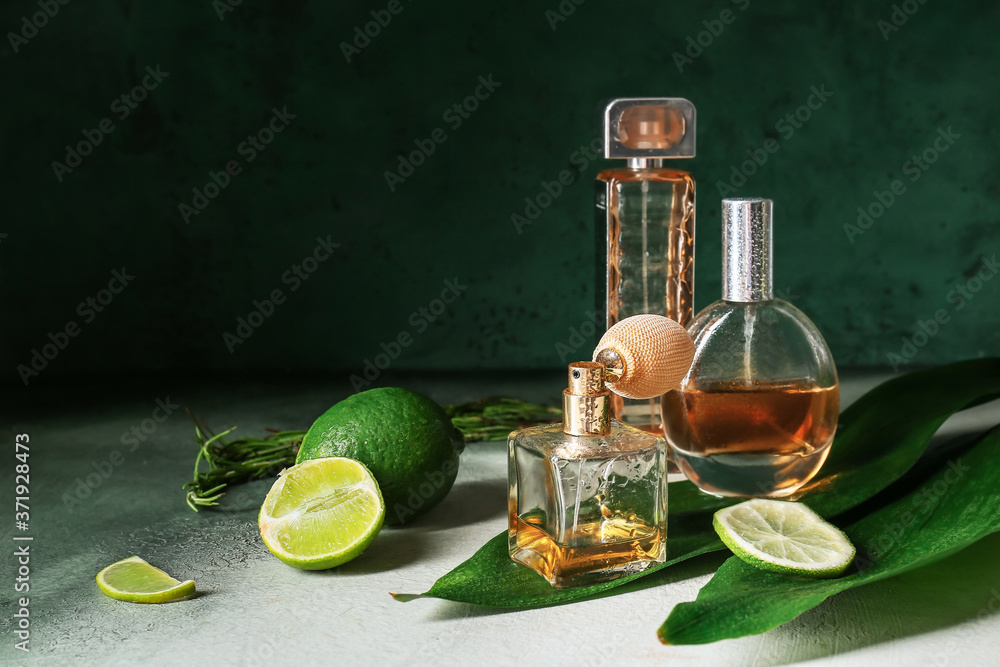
588,498
645,223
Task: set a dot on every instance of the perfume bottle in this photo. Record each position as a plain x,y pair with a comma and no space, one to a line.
587,498
645,223
757,411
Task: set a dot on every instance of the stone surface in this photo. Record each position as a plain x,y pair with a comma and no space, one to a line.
254,610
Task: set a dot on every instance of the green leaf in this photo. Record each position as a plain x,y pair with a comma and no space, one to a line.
879,438
950,510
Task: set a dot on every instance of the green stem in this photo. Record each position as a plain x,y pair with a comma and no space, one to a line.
244,459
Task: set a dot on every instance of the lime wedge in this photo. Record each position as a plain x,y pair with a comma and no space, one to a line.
321,513
135,580
783,536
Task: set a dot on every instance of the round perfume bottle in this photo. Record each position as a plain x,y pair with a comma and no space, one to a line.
757,412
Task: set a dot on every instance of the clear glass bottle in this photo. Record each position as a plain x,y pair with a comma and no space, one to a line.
645,224
588,498
756,413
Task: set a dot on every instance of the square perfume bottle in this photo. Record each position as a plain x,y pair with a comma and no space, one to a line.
588,498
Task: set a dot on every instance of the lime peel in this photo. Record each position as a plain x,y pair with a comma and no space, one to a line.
135,580
783,536
405,439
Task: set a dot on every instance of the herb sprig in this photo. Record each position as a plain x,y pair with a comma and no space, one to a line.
236,461
221,463
495,417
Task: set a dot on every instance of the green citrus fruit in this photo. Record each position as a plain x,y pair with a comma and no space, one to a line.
406,440
135,580
320,514
784,536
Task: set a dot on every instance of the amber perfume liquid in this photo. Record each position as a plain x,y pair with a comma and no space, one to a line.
610,546
585,509
757,411
751,441
646,218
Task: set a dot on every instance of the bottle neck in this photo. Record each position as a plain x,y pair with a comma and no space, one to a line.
644,163
586,415
752,289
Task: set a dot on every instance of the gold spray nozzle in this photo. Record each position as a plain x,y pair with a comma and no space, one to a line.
586,400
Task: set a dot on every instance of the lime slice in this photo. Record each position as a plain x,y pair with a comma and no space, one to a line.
135,580
321,513
783,536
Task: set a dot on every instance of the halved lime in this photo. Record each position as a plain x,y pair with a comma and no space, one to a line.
784,536
406,440
135,580
321,513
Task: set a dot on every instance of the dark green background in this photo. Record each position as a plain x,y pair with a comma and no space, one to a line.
451,219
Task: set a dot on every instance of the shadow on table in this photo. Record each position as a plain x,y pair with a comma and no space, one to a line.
391,549
467,503
960,590
396,546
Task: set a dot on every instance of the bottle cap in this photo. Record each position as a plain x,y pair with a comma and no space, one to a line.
649,128
746,250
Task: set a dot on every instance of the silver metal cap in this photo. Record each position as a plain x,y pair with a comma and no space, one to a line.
649,128
746,250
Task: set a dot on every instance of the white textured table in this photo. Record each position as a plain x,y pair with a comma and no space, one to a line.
254,610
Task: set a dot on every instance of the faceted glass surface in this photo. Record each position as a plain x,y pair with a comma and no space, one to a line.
649,218
587,508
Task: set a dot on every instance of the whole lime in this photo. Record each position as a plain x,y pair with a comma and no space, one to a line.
406,440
